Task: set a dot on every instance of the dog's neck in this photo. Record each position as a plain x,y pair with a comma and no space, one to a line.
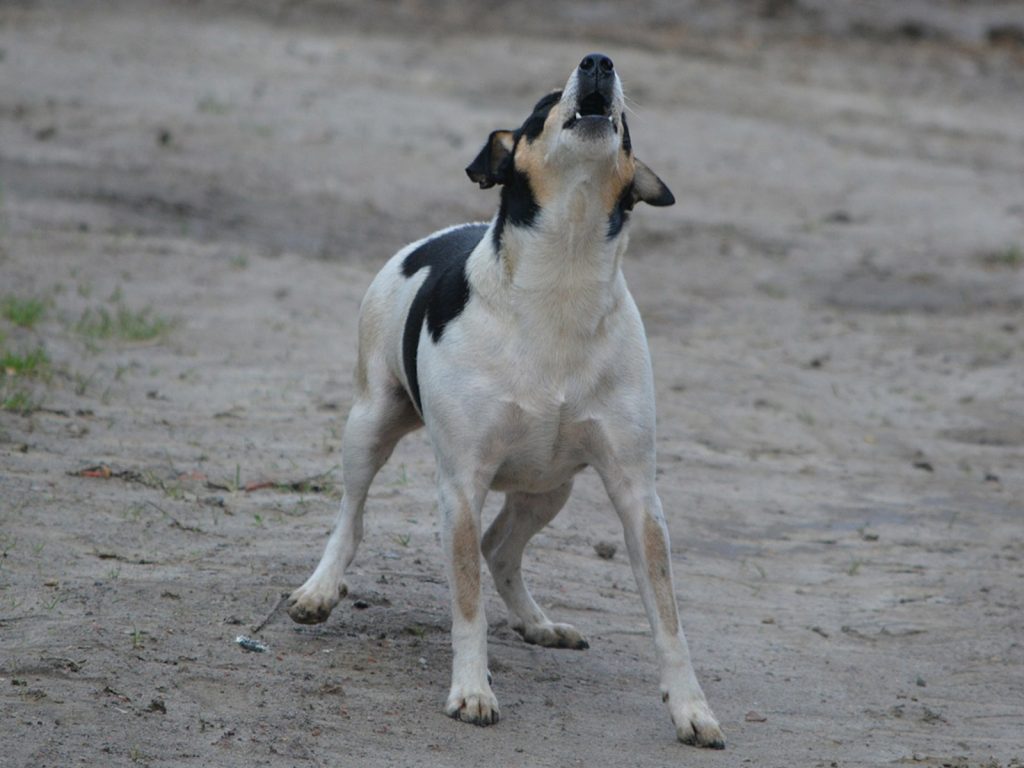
562,272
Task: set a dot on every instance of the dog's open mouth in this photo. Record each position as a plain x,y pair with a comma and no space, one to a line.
592,109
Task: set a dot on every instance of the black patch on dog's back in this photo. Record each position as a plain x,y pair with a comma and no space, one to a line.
443,295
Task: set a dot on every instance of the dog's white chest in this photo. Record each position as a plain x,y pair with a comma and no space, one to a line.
541,446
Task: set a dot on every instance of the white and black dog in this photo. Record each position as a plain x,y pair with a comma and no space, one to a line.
518,346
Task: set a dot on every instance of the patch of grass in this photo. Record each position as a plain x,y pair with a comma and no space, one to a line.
82,382
1011,257
175,491
16,367
35,362
211,105
123,324
22,312
20,401
416,630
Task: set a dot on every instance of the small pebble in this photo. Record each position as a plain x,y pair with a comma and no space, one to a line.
157,705
605,550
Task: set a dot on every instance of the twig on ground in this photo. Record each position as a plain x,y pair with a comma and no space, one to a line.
273,612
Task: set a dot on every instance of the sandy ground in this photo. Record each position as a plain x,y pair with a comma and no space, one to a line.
835,312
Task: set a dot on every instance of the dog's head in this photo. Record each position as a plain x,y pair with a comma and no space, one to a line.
579,131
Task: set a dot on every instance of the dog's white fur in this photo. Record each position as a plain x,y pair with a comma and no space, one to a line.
546,371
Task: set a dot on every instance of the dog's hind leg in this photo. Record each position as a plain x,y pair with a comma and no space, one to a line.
378,419
522,516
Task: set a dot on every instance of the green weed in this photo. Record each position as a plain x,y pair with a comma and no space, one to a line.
122,324
35,362
20,401
211,105
22,312
1011,257
15,397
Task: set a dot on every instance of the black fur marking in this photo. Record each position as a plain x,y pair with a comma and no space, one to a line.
518,205
443,295
627,143
533,126
620,212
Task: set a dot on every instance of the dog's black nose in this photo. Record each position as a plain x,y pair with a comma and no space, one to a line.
596,65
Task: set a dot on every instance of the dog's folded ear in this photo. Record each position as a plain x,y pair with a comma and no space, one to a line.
648,188
493,163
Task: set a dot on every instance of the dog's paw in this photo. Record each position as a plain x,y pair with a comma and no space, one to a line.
552,635
478,707
312,603
696,724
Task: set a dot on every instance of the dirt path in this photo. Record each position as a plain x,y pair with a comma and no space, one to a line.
195,198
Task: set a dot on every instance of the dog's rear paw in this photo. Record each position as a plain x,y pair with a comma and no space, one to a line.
696,725
552,635
311,604
480,708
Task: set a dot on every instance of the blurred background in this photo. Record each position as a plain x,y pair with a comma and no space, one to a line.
194,195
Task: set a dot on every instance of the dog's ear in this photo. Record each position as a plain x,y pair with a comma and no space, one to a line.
492,164
648,188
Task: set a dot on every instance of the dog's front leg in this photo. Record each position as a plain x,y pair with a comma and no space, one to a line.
470,698
639,508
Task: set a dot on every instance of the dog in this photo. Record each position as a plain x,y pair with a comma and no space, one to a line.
518,345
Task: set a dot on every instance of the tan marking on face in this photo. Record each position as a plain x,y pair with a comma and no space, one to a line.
529,159
656,556
466,560
620,178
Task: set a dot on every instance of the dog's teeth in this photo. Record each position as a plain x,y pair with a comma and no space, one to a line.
579,116
609,118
